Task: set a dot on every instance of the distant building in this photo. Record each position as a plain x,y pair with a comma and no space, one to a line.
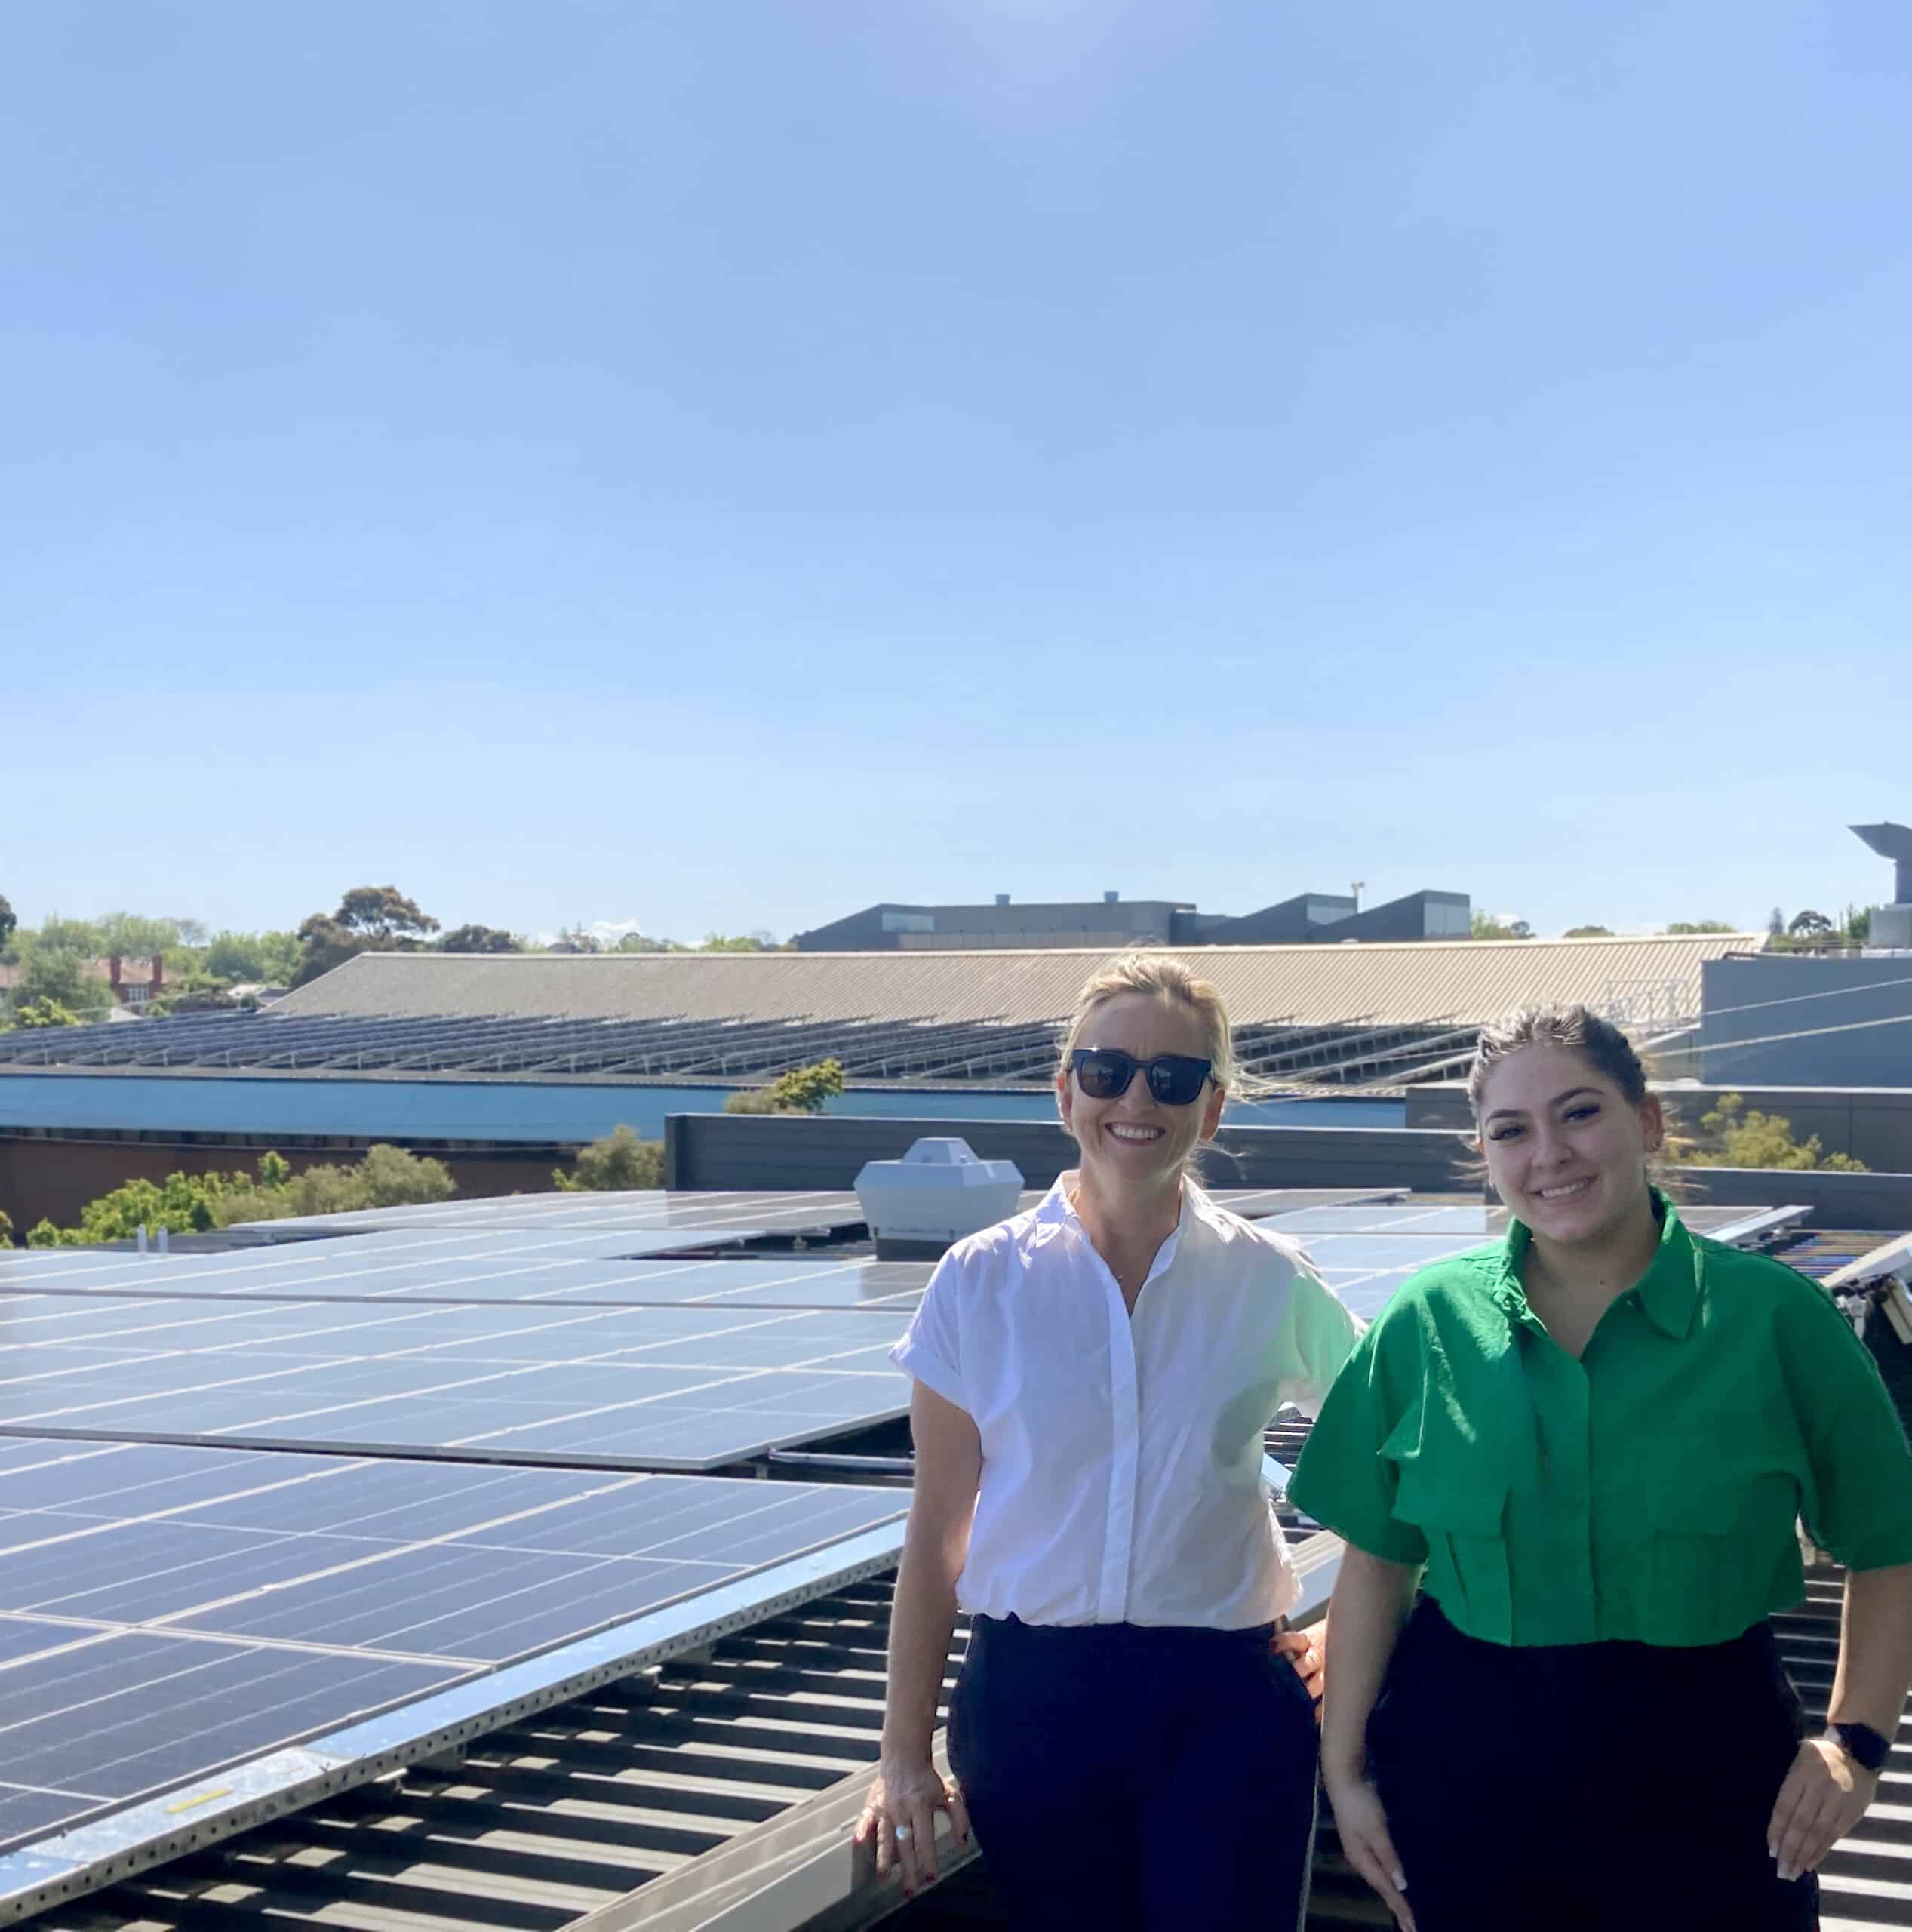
134,983
1114,922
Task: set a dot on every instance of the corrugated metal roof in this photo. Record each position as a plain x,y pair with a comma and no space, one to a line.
1466,981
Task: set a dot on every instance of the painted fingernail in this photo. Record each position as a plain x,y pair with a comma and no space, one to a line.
1787,1873
1400,1880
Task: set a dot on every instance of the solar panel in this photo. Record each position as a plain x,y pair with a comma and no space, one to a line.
749,1216
630,1388
1365,1267
356,1270
166,1612
1398,1218
1256,1203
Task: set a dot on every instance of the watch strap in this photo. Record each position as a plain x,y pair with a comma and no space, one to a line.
1861,1743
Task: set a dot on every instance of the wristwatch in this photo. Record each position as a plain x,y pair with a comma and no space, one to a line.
1865,1746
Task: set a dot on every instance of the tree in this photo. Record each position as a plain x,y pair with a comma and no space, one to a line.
1858,924
61,972
369,917
193,992
1808,924
1486,926
394,1177
386,1177
1776,922
8,920
803,1090
186,1204
44,1012
383,916
6,1229
641,942
80,935
759,941
478,939
1589,932
132,936
1702,926
271,957
575,939
1735,1138
619,1162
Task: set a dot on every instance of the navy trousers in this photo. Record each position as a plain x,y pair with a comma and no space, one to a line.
1134,1780
1586,1787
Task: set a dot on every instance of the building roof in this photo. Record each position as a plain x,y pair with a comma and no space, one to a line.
1467,982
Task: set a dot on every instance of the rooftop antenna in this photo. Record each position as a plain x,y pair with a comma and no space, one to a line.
1358,884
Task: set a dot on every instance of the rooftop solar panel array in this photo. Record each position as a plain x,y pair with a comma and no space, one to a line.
362,1271
627,1388
553,1047
166,1611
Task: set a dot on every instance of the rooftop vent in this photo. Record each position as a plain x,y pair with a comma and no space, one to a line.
937,1193
1002,899
1111,898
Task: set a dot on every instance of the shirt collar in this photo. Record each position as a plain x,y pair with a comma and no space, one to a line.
1669,1291
1056,1216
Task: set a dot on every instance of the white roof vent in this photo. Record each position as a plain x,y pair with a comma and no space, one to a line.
937,1193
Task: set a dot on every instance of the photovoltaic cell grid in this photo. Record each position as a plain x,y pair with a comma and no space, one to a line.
165,1612
688,1389
490,1268
1365,1255
750,1216
746,1216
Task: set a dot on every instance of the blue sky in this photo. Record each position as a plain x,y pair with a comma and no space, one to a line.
718,463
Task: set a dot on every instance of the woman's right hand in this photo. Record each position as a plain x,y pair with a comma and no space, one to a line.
1363,1826
909,1792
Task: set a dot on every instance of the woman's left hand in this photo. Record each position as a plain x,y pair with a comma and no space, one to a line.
1307,1650
1825,1795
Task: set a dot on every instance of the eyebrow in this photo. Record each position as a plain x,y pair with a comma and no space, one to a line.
1559,1099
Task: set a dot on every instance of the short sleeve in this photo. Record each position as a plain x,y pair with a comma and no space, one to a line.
1859,1505
1318,1334
1342,1480
931,1349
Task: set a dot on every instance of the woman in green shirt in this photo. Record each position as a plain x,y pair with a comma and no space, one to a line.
1588,1444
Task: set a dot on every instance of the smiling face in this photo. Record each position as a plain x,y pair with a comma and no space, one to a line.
1133,1143
1565,1148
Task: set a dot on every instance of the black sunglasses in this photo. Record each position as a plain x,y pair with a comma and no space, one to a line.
1104,1073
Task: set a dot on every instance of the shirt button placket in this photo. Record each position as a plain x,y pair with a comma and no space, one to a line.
1125,1421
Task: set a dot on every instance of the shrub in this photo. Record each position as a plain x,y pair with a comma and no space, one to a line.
1737,1139
619,1161
803,1090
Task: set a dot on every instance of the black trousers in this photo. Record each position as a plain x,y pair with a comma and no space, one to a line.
1133,1780
1586,1787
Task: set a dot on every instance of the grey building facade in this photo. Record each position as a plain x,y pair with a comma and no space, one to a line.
1796,1019
1115,922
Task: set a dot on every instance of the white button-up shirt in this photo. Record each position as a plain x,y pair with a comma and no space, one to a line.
1122,1455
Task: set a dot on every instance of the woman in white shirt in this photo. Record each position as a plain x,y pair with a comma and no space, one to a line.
1092,1379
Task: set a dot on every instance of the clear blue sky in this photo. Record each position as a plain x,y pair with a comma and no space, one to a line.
719,463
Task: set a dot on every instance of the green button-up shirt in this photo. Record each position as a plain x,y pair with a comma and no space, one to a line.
1647,1490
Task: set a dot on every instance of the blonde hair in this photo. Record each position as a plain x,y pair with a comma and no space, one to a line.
1163,976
